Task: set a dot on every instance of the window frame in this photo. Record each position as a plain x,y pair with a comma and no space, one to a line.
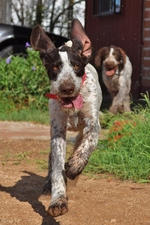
100,7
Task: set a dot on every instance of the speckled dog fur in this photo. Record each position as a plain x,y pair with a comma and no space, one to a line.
66,67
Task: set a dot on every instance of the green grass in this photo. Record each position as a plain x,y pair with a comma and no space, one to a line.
128,159
126,151
42,163
16,159
10,112
24,81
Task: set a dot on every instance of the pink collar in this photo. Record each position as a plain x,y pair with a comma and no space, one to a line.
54,96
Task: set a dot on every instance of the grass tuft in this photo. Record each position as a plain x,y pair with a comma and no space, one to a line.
126,151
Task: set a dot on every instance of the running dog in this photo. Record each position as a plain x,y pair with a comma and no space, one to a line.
75,100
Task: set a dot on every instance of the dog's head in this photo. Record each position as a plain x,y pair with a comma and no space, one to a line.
64,65
112,58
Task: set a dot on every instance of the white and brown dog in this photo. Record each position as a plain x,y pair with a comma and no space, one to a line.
75,99
116,74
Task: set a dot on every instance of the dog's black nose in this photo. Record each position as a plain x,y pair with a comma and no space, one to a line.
67,88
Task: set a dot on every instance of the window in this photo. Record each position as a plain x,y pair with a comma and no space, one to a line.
106,7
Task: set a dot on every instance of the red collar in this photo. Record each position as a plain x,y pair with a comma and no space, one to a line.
54,96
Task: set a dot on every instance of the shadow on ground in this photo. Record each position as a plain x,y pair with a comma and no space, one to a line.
27,190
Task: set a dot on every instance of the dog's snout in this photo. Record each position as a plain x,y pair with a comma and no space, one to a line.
110,64
67,88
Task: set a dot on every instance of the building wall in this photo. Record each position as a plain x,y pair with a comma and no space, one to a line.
123,30
146,48
5,11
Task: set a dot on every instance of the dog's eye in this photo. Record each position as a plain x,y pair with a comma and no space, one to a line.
55,68
76,67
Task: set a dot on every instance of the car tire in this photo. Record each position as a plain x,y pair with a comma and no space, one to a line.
13,50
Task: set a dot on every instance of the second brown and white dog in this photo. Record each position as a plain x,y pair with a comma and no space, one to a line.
116,74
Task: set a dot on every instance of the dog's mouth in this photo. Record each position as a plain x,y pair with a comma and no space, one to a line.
111,71
72,102
69,102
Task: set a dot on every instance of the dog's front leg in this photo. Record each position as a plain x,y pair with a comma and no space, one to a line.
58,205
86,145
118,100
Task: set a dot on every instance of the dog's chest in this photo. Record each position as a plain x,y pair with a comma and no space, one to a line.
75,122
112,82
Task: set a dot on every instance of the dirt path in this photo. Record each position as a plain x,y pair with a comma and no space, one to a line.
101,200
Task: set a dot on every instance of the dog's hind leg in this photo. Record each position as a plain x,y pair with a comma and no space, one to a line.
118,100
48,184
47,187
126,103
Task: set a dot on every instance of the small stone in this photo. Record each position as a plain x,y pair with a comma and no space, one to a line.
113,221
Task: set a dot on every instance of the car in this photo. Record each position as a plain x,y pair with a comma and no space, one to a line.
13,39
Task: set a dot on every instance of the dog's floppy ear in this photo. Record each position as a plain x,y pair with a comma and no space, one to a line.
78,33
100,56
123,55
40,41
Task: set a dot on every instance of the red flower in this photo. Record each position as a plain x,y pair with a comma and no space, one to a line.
120,129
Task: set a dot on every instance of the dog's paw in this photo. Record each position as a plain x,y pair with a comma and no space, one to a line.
113,109
121,108
58,207
74,167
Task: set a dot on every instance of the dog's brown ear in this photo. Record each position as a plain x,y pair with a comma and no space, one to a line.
123,55
100,56
78,33
40,41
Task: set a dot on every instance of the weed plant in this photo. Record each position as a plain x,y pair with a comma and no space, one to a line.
23,81
126,150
